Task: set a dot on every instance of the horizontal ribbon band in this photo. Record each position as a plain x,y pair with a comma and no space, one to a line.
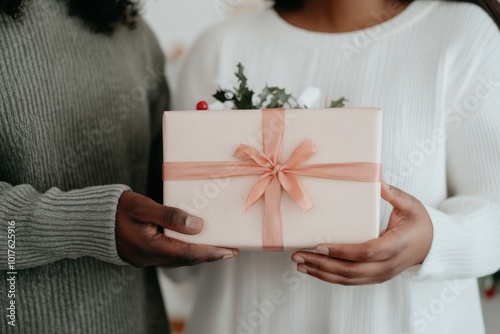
197,170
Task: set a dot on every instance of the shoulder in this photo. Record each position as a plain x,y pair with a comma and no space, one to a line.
145,43
463,18
468,40
143,33
463,31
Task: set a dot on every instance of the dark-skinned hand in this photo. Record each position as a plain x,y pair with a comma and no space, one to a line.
404,243
140,241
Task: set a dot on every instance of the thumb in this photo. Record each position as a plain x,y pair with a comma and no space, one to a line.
396,197
177,220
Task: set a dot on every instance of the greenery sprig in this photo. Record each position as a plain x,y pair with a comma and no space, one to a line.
242,97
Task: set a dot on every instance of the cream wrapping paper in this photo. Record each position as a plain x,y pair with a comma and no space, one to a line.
342,212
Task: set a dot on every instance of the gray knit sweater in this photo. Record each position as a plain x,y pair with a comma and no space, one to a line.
78,112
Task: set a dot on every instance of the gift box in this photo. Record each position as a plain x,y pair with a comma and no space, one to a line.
275,179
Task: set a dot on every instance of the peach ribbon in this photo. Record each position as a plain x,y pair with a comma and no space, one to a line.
274,174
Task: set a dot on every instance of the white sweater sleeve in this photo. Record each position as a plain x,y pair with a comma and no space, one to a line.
466,241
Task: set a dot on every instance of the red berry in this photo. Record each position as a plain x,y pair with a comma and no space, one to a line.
202,105
490,293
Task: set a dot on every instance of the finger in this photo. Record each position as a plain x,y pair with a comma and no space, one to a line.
380,249
396,197
176,219
145,210
178,253
346,269
336,279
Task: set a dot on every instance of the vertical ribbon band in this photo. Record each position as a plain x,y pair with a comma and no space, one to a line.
275,175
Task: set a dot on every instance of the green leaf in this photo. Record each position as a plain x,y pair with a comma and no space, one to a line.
241,77
275,102
283,96
245,100
263,96
340,103
220,95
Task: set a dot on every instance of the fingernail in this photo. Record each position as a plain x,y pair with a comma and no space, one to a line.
322,250
298,259
226,257
193,222
302,269
386,186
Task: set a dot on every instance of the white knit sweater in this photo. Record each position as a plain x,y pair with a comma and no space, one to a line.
435,70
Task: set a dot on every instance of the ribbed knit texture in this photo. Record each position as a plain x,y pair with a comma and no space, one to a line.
435,70
78,111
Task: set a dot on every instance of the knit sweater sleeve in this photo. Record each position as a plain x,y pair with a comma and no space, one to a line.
466,240
54,225
47,227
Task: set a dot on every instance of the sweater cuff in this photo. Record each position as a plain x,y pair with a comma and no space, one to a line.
75,224
442,253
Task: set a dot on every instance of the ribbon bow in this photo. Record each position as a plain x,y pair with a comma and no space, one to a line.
278,174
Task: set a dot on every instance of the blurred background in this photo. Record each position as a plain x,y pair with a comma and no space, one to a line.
177,23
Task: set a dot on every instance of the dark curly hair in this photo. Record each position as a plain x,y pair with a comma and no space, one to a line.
102,16
492,7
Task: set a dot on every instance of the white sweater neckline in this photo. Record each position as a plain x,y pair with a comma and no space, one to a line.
273,23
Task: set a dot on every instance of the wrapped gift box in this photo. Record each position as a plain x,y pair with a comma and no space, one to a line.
275,179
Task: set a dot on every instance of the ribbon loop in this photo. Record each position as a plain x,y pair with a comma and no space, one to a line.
301,154
247,153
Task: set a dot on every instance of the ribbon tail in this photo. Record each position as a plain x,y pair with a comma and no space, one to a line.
257,191
272,230
295,190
